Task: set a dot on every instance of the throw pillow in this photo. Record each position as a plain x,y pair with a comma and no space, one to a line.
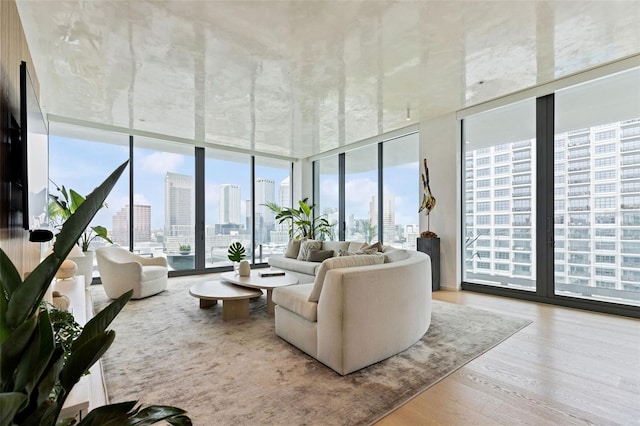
367,251
336,246
395,255
354,246
377,246
354,253
340,262
307,246
293,249
319,255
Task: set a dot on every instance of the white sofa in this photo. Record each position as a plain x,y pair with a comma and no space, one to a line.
121,271
306,271
363,314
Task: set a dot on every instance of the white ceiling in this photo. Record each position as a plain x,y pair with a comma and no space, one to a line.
297,78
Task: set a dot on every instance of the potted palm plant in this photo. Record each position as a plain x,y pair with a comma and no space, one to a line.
61,207
38,374
302,223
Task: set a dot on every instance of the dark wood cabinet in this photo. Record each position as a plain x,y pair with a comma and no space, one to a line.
431,246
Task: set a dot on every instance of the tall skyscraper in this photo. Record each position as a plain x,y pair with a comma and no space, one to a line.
229,204
141,225
389,233
389,230
265,193
284,194
178,209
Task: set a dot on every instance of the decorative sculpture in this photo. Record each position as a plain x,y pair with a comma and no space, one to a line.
428,202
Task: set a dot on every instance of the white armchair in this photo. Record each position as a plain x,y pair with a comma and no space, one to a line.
121,271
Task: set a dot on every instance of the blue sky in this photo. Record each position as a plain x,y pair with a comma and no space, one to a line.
84,165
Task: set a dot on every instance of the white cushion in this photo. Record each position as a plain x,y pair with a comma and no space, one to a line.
294,298
355,246
293,249
395,255
307,246
336,246
295,265
340,262
153,272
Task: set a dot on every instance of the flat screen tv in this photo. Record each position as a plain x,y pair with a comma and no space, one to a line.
34,141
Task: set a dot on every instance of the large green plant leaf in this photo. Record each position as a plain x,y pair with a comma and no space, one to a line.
83,357
112,414
156,413
101,232
9,281
50,375
10,403
36,356
126,413
9,276
76,200
99,323
180,420
236,252
79,361
12,350
305,207
27,296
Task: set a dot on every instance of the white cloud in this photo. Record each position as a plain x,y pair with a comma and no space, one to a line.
141,200
358,193
329,193
160,162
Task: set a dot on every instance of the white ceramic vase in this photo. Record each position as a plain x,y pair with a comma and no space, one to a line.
85,266
244,270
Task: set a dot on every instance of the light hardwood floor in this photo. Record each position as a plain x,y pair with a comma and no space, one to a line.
568,367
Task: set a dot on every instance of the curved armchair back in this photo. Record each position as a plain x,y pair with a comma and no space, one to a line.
121,271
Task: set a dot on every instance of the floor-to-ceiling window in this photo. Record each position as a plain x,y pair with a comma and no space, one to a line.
499,196
228,204
571,187
401,182
326,183
361,194
80,160
272,185
164,201
370,192
597,163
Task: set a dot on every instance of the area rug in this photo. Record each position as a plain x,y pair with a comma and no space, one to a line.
168,351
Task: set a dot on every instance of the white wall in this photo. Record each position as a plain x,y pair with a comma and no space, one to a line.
303,175
439,144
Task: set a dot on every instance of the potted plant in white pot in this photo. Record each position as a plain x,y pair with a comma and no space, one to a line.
236,253
61,207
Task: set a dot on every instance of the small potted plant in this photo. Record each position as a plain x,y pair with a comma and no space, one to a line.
184,248
61,207
236,253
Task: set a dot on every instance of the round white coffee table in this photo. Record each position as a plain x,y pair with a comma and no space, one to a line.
256,281
235,299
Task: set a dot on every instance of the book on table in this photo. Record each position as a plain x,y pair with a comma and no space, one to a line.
271,273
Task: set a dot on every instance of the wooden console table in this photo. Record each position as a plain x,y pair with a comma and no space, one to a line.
431,246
